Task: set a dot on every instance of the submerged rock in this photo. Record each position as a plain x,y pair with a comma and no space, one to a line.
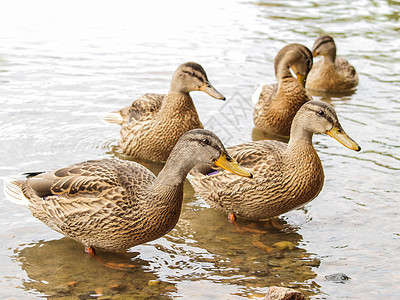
337,277
281,293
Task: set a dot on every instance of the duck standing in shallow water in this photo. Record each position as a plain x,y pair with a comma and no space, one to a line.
331,73
277,104
114,204
152,125
285,176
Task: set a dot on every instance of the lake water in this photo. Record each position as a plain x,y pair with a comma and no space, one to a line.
65,63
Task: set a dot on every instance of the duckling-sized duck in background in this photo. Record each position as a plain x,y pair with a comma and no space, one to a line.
152,125
114,204
285,176
277,104
331,73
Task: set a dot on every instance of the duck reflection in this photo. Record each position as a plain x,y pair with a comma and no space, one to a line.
76,274
202,247
254,261
329,96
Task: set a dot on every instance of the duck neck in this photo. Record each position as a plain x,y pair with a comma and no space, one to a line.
174,172
283,72
330,56
167,191
177,103
300,138
181,160
162,202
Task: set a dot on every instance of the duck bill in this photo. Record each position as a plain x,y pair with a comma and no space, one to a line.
314,53
302,79
228,163
209,89
341,136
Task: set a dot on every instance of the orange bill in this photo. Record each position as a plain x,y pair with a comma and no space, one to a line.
342,137
228,163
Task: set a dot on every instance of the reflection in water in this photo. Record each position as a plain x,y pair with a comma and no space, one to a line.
254,261
326,96
62,268
203,247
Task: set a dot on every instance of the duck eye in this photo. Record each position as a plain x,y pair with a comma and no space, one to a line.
205,141
321,113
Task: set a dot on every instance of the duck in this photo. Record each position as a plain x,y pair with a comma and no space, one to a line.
152,125
331,73
285,175
116,204
277,104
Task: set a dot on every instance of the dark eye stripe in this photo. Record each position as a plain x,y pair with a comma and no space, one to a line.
321,41
193,74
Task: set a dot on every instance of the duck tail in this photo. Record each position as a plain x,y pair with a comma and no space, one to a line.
113,117
13,191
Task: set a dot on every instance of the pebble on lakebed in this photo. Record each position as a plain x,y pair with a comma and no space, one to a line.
281,293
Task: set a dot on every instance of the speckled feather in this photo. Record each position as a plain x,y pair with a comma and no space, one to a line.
147,104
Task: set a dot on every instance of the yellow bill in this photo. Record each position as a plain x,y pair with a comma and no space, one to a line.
209,89
341,136
302,79
314,53
228,163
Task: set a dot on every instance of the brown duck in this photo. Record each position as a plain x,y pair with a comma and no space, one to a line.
331,73
152,125
286,176
114,204
277,104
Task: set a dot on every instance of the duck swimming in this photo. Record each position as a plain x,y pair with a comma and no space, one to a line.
277,104
331,73
152,125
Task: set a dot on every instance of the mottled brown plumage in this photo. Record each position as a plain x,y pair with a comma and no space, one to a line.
331,73
285,176
152,125
115,204
277,104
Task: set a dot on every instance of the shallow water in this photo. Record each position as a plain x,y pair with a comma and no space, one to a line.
64,64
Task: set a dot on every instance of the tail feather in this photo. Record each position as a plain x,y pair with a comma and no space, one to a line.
13,192
113,117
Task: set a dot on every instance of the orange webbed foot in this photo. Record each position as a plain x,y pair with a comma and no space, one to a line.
242,229
109,264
